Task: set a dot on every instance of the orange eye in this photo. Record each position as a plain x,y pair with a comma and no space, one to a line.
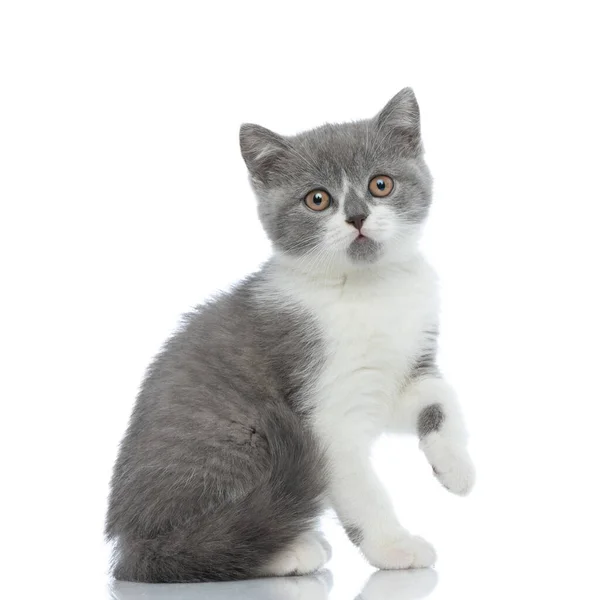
381,185
317,200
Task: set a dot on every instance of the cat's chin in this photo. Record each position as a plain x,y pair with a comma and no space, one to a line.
362,254
364,250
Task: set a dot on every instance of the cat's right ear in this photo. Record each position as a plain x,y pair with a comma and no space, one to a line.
262,150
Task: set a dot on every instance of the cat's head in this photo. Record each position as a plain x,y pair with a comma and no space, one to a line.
343,196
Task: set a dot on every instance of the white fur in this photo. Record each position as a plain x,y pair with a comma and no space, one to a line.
309,553
445,450
373,320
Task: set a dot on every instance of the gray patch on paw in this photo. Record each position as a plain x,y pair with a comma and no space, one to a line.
430,419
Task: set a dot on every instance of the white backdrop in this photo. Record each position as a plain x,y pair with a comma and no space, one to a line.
124,202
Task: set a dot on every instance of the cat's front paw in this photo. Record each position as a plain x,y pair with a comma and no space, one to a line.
450,462
403,552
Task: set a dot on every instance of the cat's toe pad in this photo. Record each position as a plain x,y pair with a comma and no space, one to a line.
400,553
450,462
307,554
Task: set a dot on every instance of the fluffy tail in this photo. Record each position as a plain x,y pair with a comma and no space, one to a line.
238,538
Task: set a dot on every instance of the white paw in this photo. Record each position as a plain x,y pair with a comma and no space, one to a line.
404,552
451,463
307,554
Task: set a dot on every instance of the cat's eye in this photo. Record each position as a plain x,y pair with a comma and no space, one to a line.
317,200
381,185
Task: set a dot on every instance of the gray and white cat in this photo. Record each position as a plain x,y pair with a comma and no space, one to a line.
261,410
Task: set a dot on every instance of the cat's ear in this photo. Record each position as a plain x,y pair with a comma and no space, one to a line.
262,150
400,120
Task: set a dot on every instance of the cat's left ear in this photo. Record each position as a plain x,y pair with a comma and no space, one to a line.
400,117
262,150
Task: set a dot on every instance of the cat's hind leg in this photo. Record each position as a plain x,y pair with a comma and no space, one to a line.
261,488
307,554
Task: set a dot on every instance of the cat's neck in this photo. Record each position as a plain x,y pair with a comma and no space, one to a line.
290,268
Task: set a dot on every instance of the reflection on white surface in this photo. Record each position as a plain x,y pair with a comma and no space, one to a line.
382,585
399,585
313,587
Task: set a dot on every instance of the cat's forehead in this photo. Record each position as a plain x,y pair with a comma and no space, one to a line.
339,150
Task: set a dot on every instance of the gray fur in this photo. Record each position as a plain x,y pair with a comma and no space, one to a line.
425,365
354,533
218,470
356,205
366,250
431,419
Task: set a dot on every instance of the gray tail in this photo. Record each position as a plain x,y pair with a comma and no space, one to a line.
238,538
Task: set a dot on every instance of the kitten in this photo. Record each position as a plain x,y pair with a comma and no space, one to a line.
261,410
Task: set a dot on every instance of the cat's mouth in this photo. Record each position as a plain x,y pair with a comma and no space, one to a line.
364,249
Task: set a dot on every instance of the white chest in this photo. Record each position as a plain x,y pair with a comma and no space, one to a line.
373,330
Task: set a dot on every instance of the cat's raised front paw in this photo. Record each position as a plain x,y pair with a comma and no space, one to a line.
404,552
450,462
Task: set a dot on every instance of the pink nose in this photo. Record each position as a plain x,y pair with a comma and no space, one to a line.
357,221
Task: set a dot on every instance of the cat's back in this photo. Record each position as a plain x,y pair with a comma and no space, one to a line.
239,348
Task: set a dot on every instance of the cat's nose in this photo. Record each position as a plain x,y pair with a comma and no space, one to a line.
357,221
